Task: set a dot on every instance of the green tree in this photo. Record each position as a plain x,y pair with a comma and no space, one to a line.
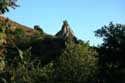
5,4
76,64
111,53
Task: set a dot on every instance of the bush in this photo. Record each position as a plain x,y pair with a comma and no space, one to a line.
76,64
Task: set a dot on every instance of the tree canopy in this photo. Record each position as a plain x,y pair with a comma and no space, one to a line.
76,64
111,52
5,4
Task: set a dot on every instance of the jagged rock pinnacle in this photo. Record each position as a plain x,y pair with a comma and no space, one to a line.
66,33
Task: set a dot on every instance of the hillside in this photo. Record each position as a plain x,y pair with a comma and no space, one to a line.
14,24
32,56
23,37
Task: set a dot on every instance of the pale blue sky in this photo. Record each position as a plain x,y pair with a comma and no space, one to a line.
84,16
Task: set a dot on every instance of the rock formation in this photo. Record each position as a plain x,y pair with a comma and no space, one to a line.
66,33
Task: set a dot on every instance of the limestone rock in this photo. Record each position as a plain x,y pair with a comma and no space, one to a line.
66,33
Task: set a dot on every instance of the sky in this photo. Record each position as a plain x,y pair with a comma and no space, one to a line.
83,16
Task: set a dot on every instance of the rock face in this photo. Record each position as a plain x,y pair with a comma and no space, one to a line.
66,33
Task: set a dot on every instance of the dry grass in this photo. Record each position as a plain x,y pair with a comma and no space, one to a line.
29,31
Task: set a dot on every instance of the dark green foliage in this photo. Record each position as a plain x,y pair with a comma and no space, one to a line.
47,48
49,60
5,4
42,58
18,38
25,70
19,32
36,75
76,64
111,53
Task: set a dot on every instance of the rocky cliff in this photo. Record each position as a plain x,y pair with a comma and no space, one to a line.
66,32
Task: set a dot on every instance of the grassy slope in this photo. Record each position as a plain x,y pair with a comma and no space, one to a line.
13,23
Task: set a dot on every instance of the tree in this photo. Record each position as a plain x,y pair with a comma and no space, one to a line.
111,52
76,64
5,4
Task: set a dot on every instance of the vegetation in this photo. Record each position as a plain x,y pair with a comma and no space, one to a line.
5,4
24,63
76,64
111,53
32,56
42,58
